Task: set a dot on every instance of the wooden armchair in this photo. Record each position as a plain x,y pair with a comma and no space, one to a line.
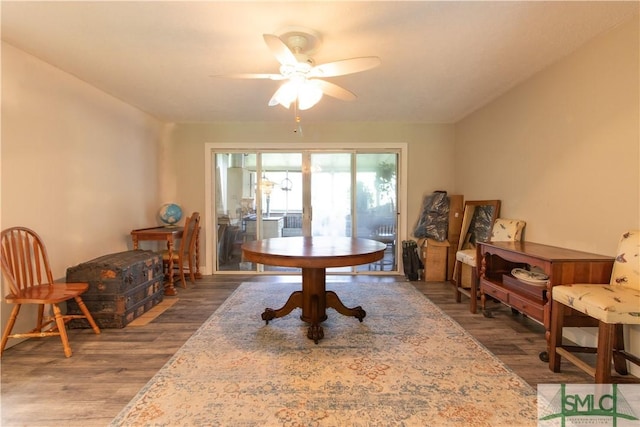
610,306
25,267
185,258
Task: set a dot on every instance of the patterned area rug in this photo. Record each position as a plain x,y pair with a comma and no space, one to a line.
406,364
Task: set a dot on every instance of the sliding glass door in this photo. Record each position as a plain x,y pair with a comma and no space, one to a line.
266,194
375,207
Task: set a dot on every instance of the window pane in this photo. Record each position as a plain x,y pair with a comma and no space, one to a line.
235,199
330,193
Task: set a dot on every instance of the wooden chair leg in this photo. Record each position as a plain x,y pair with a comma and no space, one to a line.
40,317
606,333
458,268
473,305
9,327
183,280
82,306
619,361
62,330
192,273
555,335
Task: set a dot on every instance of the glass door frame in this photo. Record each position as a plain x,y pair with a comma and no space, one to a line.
210,150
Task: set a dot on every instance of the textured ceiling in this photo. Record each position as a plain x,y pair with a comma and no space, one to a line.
440,60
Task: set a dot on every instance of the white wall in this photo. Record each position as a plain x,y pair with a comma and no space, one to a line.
562,151
430,146
78,166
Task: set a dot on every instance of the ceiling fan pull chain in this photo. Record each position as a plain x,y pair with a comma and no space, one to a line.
298,128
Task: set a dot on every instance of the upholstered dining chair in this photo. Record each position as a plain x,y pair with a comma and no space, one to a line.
184,259
503,230
610,305
26,269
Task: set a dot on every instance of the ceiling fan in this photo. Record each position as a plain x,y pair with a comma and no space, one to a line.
304,86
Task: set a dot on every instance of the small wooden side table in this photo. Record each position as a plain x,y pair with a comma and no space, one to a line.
168,234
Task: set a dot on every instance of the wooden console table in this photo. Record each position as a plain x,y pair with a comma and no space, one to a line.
563,266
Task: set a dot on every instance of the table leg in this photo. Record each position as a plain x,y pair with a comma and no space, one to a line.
334,302
170,290
294,301
315,331
198,274
314,300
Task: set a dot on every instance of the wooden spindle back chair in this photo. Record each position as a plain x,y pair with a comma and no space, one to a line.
185,258
25,267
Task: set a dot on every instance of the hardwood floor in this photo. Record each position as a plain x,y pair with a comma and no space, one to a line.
40,387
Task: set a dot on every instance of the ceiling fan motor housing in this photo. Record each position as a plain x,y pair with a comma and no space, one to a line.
301,40
300,68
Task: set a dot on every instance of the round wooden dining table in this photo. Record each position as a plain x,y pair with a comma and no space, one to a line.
313,255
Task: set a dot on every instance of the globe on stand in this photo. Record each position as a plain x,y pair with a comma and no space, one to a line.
170,214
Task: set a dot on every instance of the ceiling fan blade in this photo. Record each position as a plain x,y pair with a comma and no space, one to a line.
335,91
251,76
282,53
345,66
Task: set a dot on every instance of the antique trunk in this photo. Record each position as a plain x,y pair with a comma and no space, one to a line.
122,286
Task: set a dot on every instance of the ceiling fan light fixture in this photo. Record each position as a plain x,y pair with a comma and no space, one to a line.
309,94
285,95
